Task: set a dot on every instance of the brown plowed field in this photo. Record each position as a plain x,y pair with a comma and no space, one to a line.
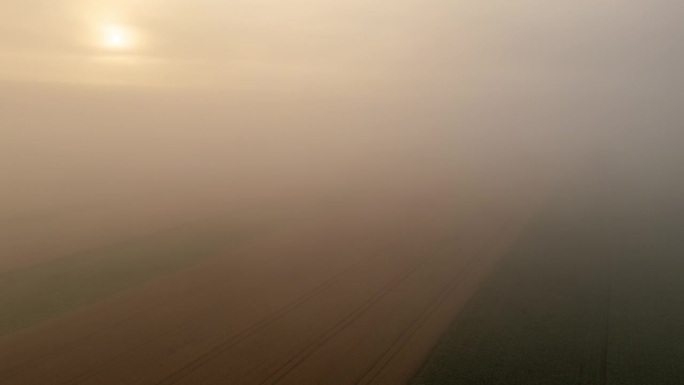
336,294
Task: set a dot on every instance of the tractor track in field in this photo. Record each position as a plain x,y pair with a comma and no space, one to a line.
351,276
376,367
175,377
254,327
342,324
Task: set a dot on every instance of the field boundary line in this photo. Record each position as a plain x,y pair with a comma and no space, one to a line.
293,362
374,370
208,356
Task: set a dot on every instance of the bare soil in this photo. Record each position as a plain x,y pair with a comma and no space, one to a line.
340,292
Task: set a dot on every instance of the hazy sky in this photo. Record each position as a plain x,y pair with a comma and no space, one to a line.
356,83
334,42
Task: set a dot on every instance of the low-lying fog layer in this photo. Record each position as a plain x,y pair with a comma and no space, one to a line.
116,99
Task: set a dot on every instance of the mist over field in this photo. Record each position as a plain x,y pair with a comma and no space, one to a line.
247,151
245,95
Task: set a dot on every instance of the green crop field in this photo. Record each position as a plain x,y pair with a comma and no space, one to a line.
31,295
593,293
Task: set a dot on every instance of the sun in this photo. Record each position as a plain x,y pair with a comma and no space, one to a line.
116,37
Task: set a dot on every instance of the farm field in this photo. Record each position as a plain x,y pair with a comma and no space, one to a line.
33,235
590,294
349,289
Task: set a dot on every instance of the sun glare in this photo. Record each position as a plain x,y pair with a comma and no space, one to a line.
116,37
